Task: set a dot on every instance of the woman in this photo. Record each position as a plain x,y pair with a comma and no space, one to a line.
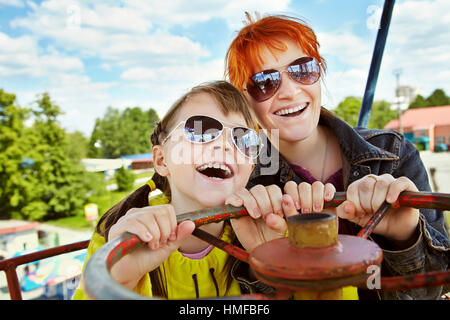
276,63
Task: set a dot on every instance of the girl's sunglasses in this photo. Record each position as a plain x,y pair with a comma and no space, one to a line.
263,85
204,129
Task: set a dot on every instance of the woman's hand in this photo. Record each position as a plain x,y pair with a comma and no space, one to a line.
366,195
310,197
156,225
268,208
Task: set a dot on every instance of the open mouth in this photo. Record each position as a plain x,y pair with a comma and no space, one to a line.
214,170
292,112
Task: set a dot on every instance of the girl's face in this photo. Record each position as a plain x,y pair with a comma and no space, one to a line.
190,166
306,99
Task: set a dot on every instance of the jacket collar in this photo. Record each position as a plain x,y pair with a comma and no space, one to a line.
353,142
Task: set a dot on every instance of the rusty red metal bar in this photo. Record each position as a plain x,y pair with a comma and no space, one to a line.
10,265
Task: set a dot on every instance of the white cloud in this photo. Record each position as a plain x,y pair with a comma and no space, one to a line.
22,56
12,3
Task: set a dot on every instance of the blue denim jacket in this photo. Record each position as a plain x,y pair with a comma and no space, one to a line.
372,151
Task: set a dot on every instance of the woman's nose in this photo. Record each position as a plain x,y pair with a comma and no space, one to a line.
288,88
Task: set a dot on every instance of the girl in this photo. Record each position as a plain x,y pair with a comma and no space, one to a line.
275,61
203,152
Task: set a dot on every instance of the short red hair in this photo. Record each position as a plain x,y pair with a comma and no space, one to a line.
244,54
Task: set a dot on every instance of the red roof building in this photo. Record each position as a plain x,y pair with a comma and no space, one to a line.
432,122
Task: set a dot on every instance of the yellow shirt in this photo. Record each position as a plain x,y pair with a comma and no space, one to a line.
179,271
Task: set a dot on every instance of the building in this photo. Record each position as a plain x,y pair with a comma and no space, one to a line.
430,122
17,236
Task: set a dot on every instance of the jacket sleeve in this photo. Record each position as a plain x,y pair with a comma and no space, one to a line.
431,250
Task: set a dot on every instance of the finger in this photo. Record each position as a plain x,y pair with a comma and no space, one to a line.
262,198
329,192
234,200
164,223
317,189
289,208
346,210
173,223
399,185
380,191
183,230
305,195
276,223
249,203
353,196
290,188
150,223
366,188
275,196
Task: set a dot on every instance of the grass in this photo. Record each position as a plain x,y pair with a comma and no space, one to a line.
104,202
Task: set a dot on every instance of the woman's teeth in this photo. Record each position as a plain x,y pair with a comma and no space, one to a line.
290,111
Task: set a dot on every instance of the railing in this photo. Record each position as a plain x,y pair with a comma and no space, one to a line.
10,265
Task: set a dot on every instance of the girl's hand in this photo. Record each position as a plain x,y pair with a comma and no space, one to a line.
366,195
268,208
156,225
310,197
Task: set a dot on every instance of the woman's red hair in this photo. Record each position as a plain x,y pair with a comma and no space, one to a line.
243,57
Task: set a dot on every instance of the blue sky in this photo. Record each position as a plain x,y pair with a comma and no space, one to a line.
93,54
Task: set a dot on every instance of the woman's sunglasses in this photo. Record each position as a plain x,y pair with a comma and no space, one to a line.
263,85
204,129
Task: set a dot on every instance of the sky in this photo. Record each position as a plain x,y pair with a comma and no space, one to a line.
89,55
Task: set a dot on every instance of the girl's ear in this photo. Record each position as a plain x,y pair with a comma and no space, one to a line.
159,162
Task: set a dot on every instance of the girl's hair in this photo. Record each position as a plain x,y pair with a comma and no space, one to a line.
229,99
243,57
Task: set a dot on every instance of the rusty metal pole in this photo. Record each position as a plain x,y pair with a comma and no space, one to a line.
314,231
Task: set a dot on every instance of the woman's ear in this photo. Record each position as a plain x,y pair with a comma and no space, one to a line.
159,162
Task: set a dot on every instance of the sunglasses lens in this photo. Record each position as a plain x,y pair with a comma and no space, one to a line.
264,84
247,141
305,70
202,129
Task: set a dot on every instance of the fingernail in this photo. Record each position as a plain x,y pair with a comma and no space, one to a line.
286,203
306,210
297,205
148,236
156,245
173,236
317,207
256,213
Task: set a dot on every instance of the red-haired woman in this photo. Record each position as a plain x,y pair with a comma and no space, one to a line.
275,61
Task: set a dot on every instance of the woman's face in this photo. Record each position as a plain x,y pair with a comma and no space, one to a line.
272,113
190,166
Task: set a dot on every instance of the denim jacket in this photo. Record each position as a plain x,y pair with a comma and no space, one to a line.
372,151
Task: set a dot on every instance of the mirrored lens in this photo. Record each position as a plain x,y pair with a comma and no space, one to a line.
247,141
305,70
264,84
202,129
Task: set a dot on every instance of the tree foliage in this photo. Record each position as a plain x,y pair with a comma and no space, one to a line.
381,113
125,179
40,178
122,133
437,98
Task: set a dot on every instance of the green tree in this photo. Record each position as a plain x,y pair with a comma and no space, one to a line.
60,190
380,114
438,98
122,133
348,110
78,145
125,179
418,102
15,184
